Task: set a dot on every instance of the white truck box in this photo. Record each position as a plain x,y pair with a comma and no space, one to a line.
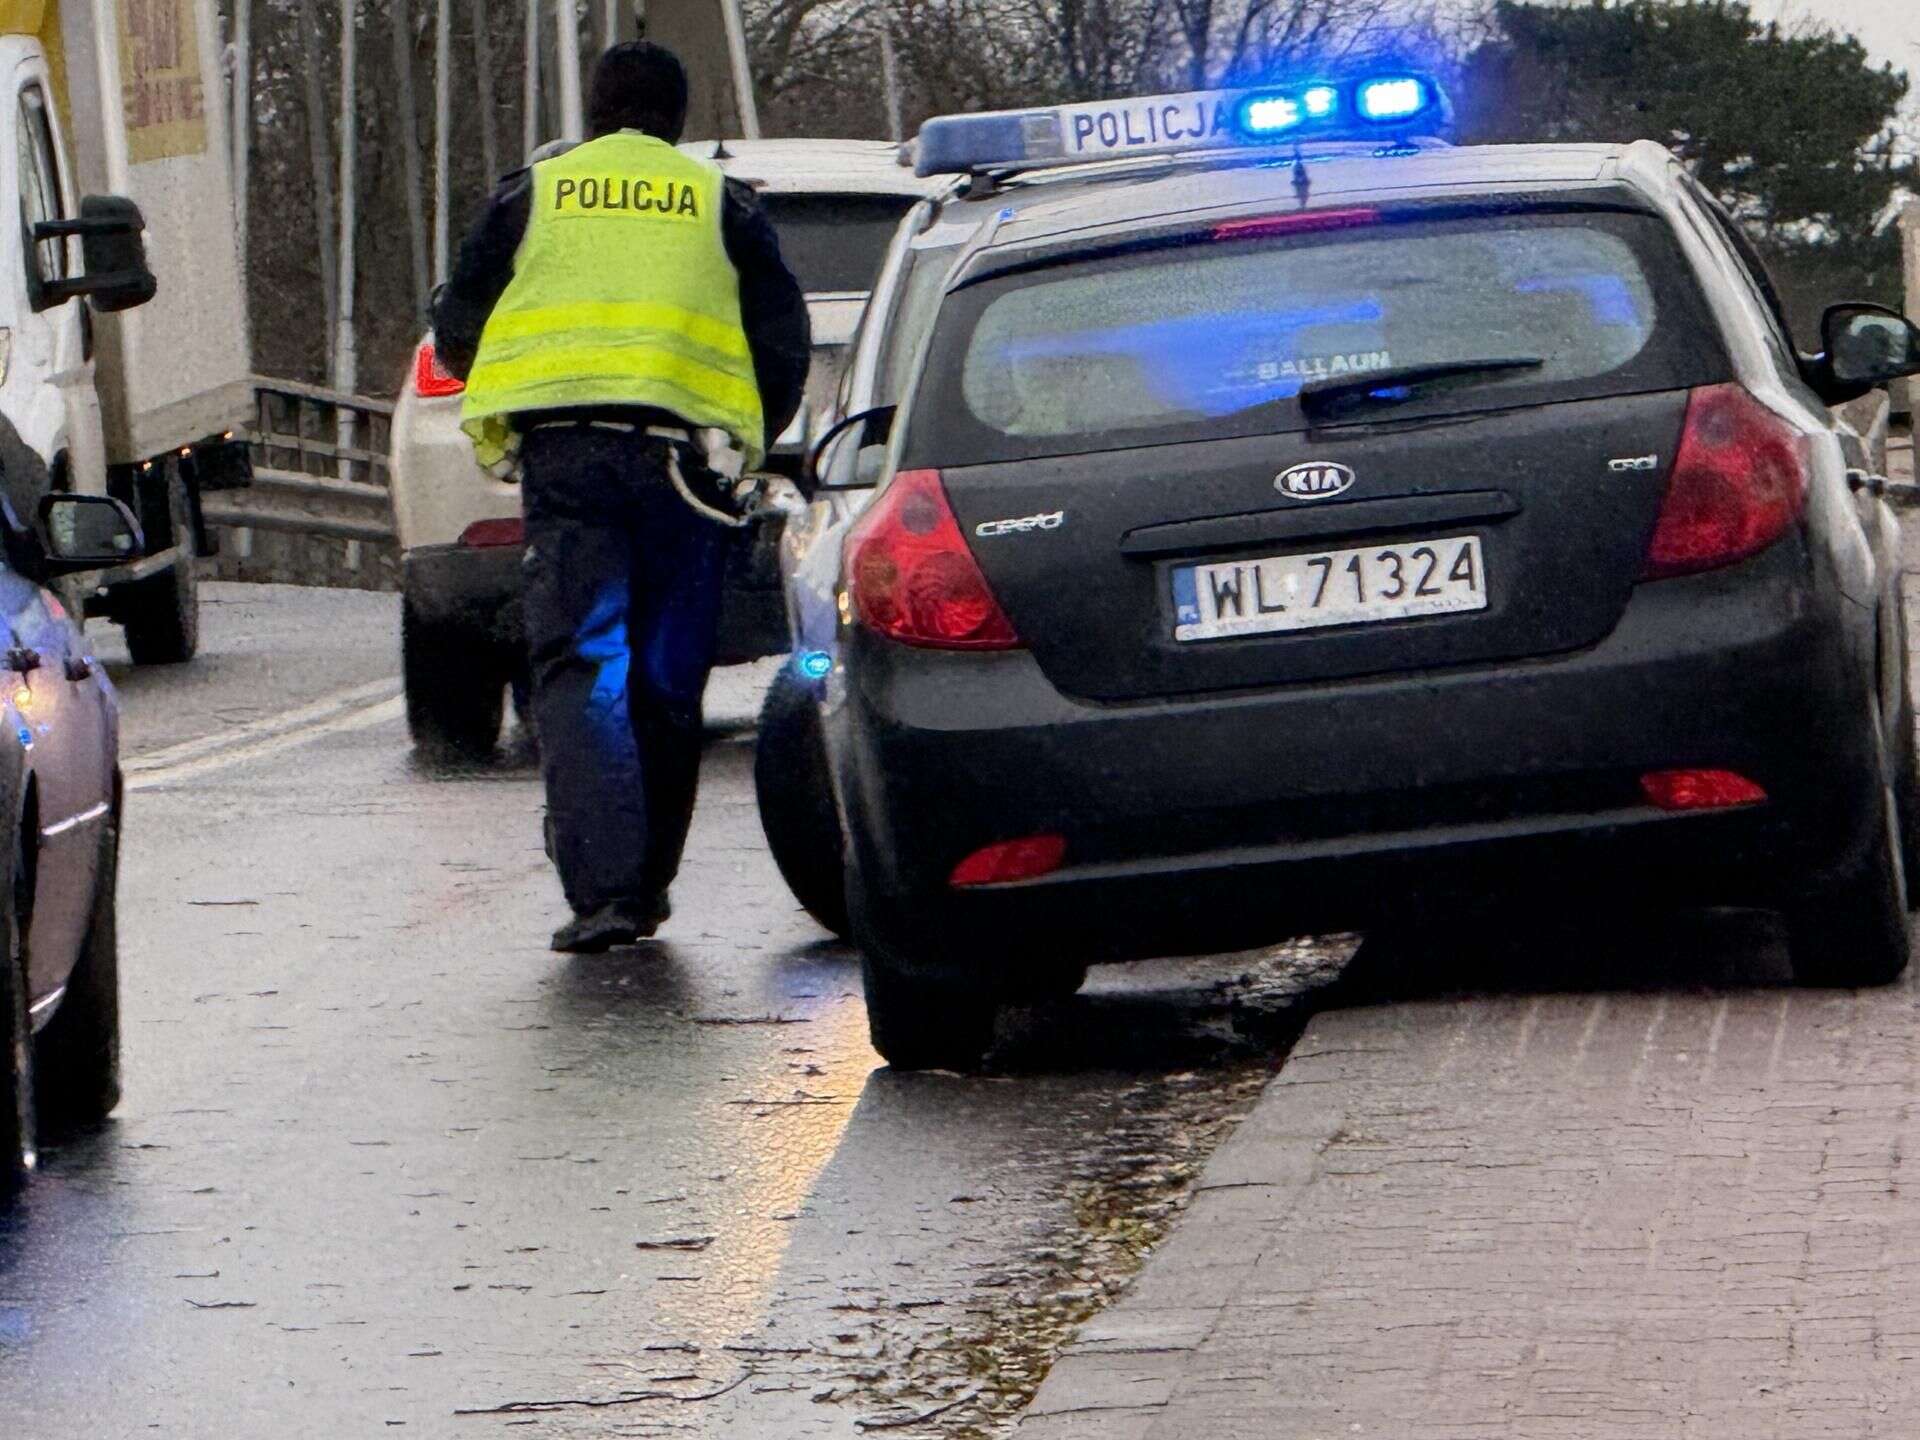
144,119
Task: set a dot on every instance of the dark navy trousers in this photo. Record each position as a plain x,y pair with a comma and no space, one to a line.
622,597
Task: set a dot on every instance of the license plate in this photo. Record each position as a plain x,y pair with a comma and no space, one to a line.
1333,587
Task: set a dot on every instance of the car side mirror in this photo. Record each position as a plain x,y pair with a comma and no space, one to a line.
879,427
117,278
1866,346
87,532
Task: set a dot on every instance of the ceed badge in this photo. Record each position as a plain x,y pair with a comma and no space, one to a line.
989,529
1315,480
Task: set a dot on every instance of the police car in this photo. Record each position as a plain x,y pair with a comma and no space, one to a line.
835,204
1290,521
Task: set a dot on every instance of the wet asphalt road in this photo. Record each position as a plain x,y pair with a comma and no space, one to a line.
385,1162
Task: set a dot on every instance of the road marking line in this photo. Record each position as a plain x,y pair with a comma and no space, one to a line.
281,720
358,709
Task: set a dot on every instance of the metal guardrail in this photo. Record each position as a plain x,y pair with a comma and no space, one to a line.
319,511
311,447
1872,416
283,502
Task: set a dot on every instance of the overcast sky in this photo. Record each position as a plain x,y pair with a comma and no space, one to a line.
1888,28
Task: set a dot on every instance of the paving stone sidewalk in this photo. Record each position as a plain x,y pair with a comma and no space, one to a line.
1675,1212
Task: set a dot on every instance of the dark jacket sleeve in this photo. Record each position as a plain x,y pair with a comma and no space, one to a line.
481,273
772,307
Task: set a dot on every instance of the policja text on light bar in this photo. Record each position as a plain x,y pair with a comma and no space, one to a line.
1394,106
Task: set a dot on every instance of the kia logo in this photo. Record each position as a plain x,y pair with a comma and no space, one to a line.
1316,480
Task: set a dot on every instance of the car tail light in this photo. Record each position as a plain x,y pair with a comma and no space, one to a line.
485,534
1699,790
913,579
429,379
1739,483
1010,860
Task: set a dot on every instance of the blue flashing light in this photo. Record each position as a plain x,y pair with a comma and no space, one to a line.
1400,97
814,664
1270,114
1178,124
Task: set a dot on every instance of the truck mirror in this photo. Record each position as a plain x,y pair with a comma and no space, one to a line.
88,532
117,277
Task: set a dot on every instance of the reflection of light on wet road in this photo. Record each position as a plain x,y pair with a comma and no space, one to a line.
781,1147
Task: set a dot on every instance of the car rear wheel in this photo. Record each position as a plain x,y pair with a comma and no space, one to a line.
796,801
456,688
1855,932
77,1056
17,1144
1047,982
918,1024
917,1021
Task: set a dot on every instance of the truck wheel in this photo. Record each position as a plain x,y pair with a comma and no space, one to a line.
77,1055
796,801
456,692
1854,932
163,613
18,1150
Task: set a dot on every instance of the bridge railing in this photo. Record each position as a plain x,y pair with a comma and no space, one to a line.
318,512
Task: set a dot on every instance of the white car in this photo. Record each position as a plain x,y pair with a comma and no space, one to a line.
835,204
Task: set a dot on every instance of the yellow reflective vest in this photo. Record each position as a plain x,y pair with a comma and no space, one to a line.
622,294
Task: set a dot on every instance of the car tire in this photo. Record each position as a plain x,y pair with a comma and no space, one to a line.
163,613
1906,773
456,689
1854,933
1047,984
18,1147
919,1024
796,801
915,1020
77,1055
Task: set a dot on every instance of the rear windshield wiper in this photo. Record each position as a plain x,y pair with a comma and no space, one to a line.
1397,386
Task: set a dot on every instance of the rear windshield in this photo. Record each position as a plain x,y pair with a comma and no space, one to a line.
1217,338
835,242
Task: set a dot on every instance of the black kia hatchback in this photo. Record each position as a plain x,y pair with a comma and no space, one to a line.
1276,541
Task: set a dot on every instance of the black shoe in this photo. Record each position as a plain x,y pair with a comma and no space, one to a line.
624,922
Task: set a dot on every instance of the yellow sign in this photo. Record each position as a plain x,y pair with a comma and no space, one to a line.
160,84
21,17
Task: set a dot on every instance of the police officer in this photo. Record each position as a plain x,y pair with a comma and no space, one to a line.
630,339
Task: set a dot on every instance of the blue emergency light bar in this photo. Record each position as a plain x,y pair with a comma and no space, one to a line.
1396,106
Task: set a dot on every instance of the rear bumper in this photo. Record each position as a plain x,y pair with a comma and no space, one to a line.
475,593
1198,824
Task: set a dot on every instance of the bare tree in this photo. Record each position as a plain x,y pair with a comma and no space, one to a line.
319,152
483,86
400,22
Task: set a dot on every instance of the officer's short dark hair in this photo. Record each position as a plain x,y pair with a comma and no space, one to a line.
639,85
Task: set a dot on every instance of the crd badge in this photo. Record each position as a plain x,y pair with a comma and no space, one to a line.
1315,480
